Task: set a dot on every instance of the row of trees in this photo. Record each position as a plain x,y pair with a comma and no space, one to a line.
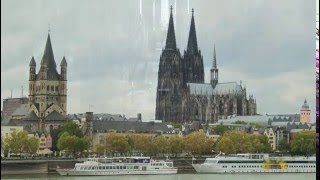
71,139
195,143
19,142
240,142
304,143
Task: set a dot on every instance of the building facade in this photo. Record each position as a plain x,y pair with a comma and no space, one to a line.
271,137
182,94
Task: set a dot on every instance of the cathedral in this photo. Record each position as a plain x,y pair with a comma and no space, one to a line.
47,107
183,96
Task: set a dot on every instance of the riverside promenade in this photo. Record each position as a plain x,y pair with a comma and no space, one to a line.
50,165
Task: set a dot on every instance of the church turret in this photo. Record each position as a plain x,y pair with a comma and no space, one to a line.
214,70
63,66
32,70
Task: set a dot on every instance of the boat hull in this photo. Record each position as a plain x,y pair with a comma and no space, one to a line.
201,168
72,172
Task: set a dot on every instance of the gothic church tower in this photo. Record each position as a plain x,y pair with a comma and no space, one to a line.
193,60
170,76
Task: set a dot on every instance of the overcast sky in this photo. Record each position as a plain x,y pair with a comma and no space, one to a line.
112,49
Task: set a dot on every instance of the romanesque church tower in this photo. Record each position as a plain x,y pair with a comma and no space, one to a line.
47,90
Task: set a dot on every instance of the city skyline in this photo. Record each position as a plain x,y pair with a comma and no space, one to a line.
105,55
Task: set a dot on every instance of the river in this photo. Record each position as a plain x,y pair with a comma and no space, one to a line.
275,176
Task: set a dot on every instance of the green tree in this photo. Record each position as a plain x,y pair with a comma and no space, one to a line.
130,140
196,143
240,142
19,142
161,144
67,142
220,129
117,143
142,143
71,128
240,122
99,149
82,144
70,138
16,141
32,145
73,144
266,147
176,145
55,136
283,146
209,145
304,143
177,125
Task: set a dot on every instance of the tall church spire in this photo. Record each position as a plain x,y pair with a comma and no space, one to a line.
171,38
47,58
48,67
192,40
214,70
214,60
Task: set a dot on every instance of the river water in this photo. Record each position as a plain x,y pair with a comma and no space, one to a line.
275,176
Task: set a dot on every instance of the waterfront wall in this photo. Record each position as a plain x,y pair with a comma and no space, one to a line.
50,166
34,166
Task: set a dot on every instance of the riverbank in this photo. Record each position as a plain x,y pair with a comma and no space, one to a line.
49,166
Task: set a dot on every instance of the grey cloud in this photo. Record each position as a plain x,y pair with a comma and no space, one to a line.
109,48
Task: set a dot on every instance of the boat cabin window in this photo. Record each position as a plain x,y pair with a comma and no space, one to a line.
142,160
210,161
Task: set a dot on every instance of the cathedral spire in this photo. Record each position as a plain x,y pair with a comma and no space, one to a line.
192,40
214,70
47,58
171,38
214,60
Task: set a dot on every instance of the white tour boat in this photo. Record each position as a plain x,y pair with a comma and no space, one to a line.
120,166
256,163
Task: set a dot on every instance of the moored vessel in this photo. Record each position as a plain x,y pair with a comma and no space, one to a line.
256,163
120,166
